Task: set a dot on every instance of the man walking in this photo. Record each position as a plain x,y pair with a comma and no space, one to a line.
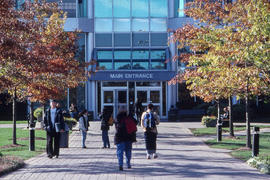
149,121
54,124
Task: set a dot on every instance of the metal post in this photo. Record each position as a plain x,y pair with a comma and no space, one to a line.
255,145
31,129
219,124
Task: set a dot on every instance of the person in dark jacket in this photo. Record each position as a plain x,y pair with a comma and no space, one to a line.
54,124
138,110
83,125
105,116
122,139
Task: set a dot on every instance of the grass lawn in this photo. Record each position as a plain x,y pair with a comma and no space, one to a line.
11,122
238,146
213,131
22,149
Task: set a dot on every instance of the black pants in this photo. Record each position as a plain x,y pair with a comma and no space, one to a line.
150,140
53,139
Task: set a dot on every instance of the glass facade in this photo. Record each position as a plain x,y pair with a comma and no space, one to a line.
82,8
143,59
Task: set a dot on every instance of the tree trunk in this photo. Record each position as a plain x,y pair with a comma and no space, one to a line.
14,116
248,143
219,123
230,117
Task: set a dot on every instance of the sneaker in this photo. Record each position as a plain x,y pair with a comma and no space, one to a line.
148,156
155,156
50,156
120,168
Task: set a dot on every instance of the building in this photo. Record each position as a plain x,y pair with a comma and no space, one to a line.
128,38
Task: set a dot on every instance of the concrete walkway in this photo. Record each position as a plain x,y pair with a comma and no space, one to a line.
181,156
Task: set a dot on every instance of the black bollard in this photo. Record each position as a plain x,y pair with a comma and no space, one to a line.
256,139
219,132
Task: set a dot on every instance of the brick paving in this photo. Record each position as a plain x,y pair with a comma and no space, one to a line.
181,156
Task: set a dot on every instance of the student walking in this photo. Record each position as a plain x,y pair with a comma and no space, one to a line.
138,110
149,122
105,126
54,124
83,125
123,139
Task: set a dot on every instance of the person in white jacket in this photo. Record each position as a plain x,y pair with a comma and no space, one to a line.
83,125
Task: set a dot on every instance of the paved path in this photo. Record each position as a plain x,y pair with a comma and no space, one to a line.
181,156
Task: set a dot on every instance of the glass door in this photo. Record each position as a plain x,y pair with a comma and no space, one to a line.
150,95
113,98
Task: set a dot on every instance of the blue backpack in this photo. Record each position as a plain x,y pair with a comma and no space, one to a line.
149,121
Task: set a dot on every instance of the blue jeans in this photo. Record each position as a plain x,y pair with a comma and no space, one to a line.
121,147
83,137
105,138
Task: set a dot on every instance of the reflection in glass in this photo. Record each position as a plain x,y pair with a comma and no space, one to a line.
152,84
110,83
121,40
80,53
103,8
158,8
82,8
121,8
140,25
159,39
181,8
103,40
104,54
122,55
121,25
158,54
158,65
140,54
140,65
122,96
140,8
158,25
142,95
155,96
108,96
118,65
105,65
140,39
103,25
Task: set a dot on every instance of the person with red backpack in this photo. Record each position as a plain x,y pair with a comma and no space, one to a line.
125,135
149,122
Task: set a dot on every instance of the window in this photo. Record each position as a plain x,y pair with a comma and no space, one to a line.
140,8
121,8
121,65
159,39
105,65
140,39
104,55
103,8
158,25
158,58
122,55
122,40
121,25
158,8
80,54
140,25
82,7
140,54
103,40
103,25
140,65
158,65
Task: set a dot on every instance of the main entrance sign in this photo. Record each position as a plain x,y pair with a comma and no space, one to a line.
133,76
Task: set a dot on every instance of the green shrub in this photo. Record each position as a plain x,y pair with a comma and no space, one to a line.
262,163
209,121
38,112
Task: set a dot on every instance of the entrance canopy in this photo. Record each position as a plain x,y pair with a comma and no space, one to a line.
133,76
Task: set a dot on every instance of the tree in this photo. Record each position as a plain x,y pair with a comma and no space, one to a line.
44,65
234,39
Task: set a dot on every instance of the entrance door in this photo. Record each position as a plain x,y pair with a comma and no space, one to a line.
113,99
150,95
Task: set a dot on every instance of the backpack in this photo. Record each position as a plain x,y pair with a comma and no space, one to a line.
149,121
111,120
130,125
